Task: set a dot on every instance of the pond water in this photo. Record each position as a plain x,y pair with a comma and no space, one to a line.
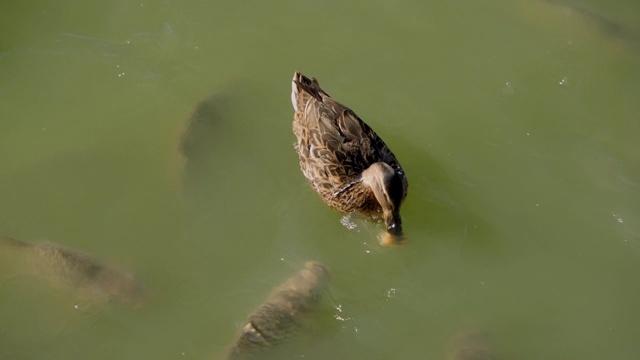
517,123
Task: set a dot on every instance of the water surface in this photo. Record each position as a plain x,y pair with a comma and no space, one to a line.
516,123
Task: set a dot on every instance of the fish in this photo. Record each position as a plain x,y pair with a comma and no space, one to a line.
194,144
607,26
198,135
89,277
277,319
471,344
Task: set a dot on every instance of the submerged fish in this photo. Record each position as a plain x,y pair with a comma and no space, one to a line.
278,318
607,26
195,147
195,140
198,135
92,279
471,344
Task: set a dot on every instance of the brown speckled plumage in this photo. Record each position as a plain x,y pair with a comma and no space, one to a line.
336,148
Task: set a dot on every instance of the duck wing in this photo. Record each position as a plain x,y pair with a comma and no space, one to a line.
331,136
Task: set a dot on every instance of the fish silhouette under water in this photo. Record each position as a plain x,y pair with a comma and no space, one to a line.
278,318
471,344
194,144
90,278
607,26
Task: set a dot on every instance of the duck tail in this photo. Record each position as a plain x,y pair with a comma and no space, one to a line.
302,88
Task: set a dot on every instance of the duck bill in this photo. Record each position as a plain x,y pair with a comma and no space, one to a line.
394,235
394,225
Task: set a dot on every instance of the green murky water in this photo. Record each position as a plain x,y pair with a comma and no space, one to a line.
517,123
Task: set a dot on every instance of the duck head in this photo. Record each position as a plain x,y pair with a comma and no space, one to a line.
386,185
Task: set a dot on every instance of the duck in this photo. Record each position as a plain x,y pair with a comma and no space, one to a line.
344,160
